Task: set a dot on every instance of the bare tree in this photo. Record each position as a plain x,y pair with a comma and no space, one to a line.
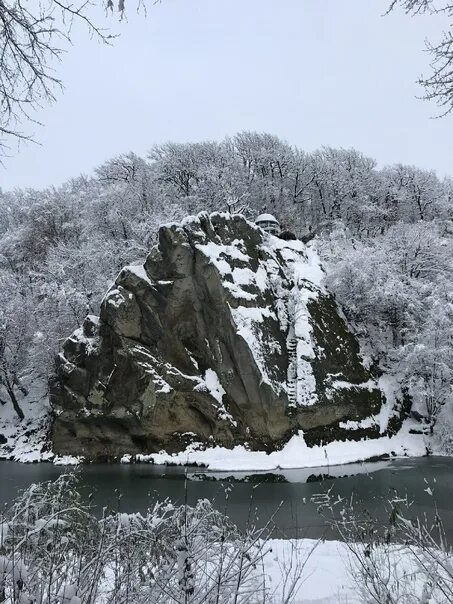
15,324
32,39
439,85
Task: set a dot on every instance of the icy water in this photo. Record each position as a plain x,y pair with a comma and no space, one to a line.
291,497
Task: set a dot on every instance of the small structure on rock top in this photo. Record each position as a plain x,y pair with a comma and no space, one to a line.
268,223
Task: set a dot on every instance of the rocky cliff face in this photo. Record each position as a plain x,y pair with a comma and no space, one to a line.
223,336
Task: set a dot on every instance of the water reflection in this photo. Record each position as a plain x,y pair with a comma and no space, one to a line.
299,475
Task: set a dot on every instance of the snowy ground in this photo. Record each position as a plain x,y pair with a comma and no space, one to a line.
331,573
27,440
295,454
323,567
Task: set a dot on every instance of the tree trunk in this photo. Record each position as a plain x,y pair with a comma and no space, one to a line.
15,402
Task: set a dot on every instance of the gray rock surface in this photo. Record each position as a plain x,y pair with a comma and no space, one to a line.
224,336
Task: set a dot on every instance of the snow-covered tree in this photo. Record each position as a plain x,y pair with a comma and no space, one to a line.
386,236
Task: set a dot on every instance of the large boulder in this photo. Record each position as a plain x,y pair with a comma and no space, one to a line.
224,336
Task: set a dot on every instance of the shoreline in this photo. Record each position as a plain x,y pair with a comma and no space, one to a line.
295,454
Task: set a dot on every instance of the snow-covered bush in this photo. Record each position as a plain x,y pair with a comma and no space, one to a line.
397,558
53,549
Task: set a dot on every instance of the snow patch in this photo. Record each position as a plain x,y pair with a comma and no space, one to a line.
297,454
214,387
67,460
368,422
139,271
114,298
248,322
218,254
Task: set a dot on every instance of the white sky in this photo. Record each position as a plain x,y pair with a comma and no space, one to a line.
314,72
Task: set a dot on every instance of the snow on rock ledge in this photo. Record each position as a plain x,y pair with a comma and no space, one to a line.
224,336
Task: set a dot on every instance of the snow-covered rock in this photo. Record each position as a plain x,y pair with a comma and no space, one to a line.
225,336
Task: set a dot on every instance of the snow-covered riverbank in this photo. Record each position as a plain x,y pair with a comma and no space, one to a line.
295,454
27,442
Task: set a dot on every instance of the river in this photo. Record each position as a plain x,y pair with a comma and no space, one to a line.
292,496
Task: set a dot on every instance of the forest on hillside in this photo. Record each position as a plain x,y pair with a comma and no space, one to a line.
385,236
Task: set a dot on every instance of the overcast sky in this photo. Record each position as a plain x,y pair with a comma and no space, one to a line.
314,72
